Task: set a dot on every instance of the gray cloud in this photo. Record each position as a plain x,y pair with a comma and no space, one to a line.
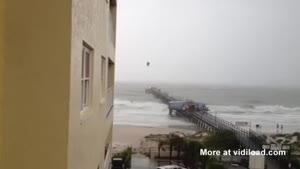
232,42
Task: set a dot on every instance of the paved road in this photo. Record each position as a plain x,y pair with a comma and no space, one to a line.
139,161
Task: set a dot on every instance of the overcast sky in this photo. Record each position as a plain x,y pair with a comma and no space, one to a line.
231,42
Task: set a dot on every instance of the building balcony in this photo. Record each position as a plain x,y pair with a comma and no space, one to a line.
107,160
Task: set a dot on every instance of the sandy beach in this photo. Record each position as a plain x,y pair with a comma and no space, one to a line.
125,135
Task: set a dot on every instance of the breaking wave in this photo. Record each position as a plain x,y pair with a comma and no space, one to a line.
149,114
131,104
155,114
254,109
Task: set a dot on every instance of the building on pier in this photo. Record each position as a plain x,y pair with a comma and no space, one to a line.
187,106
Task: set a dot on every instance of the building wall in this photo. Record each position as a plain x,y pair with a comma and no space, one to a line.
41,123
90,130
1,79
36,84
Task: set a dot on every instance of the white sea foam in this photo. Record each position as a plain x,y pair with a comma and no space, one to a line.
255,109
149,114
155,114
265,106
268,116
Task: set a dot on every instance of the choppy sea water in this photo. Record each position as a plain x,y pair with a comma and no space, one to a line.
265,106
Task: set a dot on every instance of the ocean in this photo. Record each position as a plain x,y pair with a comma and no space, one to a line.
256,105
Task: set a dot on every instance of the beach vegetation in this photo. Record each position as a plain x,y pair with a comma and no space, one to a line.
296,134
161,143
176,142
191,156
172,140
265,137
281,135
222,140
279,141
188,146
215,165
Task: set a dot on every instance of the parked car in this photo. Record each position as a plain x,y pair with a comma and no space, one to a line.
170,167
117,163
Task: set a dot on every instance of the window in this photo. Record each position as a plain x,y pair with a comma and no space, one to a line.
103,76
112,21
106,150
111,29
110,74
110,86
85,76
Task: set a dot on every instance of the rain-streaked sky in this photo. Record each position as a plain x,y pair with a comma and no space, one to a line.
220,42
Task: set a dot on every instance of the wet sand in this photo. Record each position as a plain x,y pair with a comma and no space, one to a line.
124,136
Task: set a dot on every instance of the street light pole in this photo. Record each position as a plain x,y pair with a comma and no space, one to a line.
216,117
249,132
216,120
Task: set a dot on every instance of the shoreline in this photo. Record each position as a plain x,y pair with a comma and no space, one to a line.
131,135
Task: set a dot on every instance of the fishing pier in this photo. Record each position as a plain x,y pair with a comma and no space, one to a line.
198,114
